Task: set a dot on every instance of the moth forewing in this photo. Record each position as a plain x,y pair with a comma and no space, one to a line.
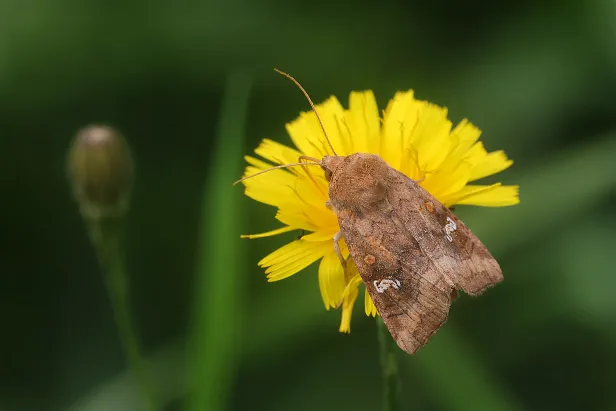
411,251
460,256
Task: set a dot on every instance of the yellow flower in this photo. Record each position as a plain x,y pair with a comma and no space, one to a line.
413,136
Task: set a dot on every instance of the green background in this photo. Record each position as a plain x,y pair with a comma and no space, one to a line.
191,85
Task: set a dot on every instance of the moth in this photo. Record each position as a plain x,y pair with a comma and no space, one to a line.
412,253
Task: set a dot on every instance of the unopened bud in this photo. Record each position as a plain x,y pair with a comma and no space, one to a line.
101,172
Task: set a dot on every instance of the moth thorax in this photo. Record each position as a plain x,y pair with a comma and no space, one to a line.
360,181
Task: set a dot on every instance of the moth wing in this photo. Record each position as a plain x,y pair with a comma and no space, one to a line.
459,255
479,269
414,312
405,286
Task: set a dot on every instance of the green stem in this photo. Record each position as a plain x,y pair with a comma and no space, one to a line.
106,236
389,367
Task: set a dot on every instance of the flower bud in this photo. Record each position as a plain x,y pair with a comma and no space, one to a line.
101,172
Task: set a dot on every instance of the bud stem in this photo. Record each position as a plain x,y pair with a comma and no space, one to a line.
106,236
389,367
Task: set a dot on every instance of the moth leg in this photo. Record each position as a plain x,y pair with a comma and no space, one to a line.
337,238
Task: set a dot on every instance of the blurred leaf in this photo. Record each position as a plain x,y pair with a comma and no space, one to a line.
220,276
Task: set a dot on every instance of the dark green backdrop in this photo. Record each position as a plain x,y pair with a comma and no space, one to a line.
192,87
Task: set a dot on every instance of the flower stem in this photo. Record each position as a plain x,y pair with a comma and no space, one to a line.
389,367
106,236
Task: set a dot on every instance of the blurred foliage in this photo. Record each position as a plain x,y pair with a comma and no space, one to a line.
537,77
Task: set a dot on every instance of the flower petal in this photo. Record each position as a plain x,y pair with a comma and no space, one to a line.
349,296
431,135
476,153
369,306
399,120
292,258
447,180
492,163
363,122
331,280
269,233
276,152
469,190
307,134
304,219
272,188
498,196
466,132
324,234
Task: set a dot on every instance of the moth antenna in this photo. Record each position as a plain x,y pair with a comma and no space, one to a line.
311,105
302,163
316,160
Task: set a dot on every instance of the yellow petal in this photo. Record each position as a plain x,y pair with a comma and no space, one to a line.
269,233
311,189
446,181
274,187
431,135
331,280
363,122
297,217
492,163
498,196
276,152
307,134
271,194
292,258
324,234
349,296
399,119
470,190
259,165
369,305
409,165
309,179
476,153
466,132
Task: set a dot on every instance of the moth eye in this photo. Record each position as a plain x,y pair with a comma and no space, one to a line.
328,174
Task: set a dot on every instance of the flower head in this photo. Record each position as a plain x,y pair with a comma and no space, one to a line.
414,136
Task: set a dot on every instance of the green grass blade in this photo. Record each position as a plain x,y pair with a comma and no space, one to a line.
218,299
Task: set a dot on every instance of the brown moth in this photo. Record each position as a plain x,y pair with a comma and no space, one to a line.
413,254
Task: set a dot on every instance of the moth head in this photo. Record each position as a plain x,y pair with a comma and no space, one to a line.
329,164
359,180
